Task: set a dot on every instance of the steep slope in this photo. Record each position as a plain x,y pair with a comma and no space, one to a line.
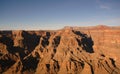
70,50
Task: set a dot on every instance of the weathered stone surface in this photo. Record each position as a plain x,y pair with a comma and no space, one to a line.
72,50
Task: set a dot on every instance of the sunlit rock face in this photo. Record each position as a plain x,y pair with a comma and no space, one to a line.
72,50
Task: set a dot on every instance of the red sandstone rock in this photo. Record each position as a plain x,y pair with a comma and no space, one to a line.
75,50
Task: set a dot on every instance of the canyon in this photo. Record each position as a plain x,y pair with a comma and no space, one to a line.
71,50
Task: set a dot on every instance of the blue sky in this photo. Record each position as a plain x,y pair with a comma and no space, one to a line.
55,14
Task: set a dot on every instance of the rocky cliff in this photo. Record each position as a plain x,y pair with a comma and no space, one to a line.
72,50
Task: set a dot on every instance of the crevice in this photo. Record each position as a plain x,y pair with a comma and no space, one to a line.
30,41
112,61
45,39
56,41
6,62
30,63
79,42
48,67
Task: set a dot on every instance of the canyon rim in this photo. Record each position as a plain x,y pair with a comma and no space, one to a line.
71,50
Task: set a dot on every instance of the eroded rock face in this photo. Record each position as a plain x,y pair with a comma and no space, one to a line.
70,50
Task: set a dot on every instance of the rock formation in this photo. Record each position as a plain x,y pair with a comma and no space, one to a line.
72,50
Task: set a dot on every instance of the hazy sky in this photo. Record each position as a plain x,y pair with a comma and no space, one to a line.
54,14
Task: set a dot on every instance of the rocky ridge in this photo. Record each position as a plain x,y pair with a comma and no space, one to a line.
69,50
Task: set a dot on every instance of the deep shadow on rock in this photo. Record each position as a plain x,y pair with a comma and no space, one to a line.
7,41
55,52
30,63
30,40
86,42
